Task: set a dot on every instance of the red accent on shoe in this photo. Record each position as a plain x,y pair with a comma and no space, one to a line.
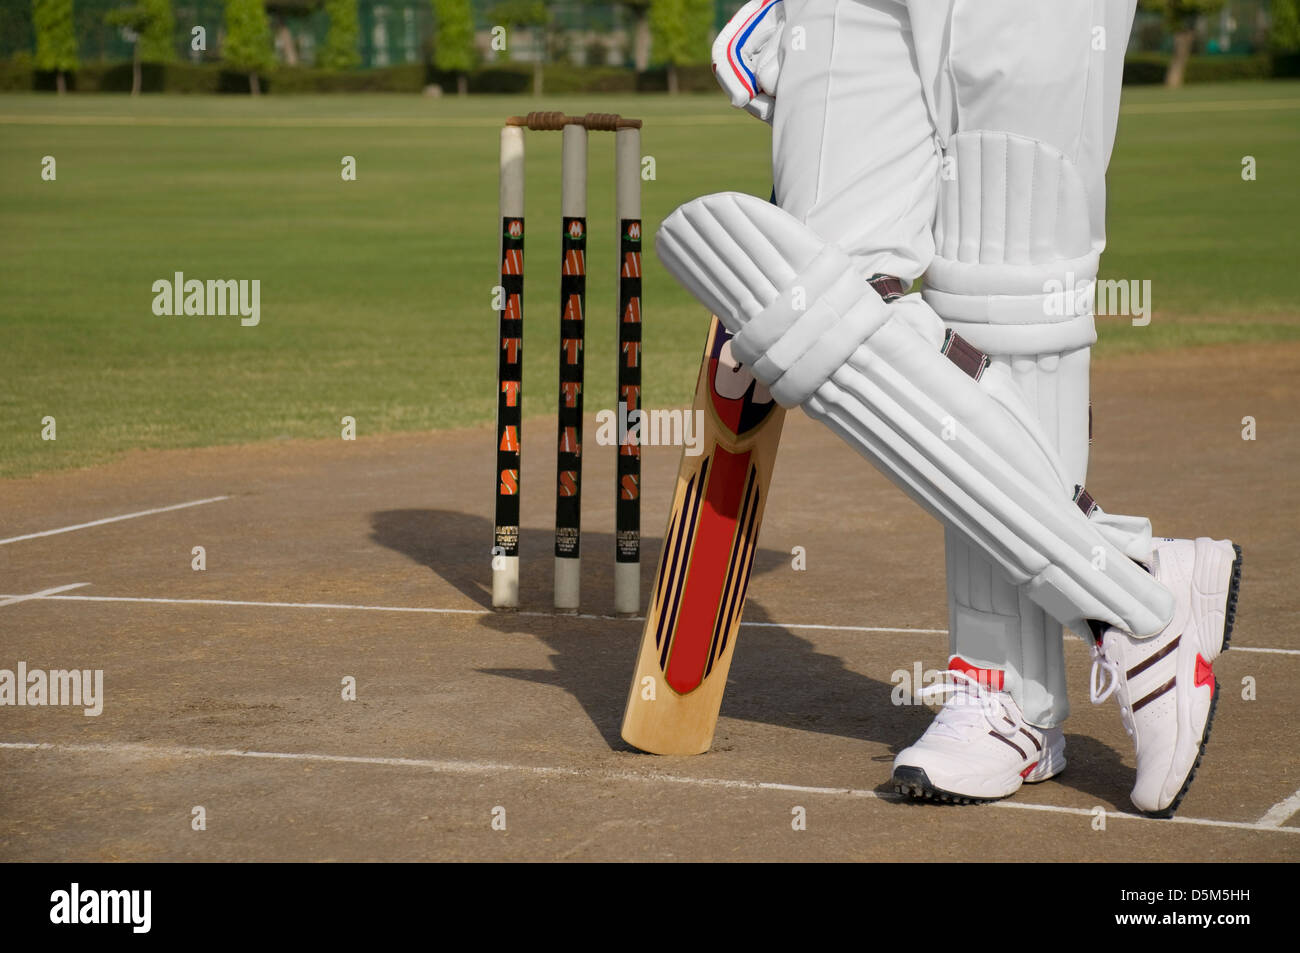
990,678
1204,672
1025,773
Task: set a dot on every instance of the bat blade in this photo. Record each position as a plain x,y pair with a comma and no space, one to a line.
707,557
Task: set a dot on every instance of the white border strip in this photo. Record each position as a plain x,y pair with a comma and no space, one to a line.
113,519
450,766
433,610
270,605
43,594
1281,812
839,628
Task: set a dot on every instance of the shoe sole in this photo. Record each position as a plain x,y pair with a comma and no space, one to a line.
1231,611
915,784
1230,618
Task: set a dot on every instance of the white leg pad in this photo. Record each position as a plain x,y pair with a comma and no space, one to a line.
1015,265
969,451
1014,274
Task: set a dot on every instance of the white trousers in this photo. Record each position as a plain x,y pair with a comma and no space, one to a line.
870,95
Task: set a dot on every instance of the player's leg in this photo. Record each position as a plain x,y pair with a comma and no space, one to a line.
854,150
1049,77
808,141
854,155
953,431
950,430
1052,77
1023,72
1027,118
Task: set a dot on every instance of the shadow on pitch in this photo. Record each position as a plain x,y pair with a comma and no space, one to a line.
1094,768
776,677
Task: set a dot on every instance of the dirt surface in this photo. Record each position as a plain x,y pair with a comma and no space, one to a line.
219,702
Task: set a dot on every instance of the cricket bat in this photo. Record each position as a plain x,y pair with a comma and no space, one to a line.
708,553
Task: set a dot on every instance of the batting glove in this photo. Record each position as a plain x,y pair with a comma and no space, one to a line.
745,56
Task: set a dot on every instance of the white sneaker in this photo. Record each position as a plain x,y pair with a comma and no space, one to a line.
979,747
1165,684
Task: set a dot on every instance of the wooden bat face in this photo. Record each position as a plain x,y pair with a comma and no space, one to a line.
712,539
707,559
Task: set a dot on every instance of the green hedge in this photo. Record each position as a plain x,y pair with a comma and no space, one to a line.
492,79
19,73
116,78
1145,69
690,79
211,78
408,78
1286,65
559,79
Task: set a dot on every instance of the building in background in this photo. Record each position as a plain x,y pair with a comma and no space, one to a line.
394,32
1241,27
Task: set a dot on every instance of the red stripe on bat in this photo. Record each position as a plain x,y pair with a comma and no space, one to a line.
707,573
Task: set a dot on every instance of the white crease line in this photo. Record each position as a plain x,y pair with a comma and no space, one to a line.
113,519
449,766
432,610
1281,812
1248,648
839,628
1111,815
273,605
43,594
437,611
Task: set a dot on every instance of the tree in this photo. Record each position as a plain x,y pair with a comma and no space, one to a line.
453,40
640,13
56,39
683,33
533,15
151,26
248,40
282,11
1285,33
340,50
1181,18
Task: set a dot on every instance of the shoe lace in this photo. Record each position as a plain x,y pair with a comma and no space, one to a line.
957,711
1101,687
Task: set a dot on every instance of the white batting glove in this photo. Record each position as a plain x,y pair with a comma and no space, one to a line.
745,56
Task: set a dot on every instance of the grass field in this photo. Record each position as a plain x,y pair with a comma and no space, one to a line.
375,294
